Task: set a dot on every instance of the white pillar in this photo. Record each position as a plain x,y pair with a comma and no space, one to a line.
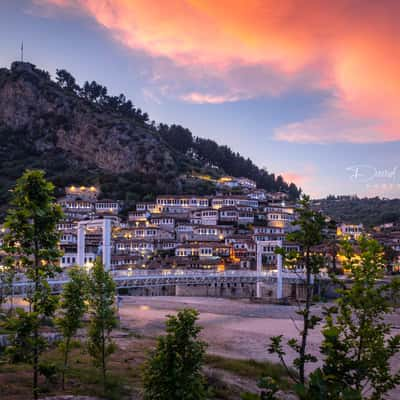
279,280
259,270
259,258
80,257
107,243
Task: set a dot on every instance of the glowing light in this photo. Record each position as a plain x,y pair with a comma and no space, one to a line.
220,268
89,265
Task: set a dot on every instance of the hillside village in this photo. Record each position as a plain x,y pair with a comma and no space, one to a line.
178,231
219,232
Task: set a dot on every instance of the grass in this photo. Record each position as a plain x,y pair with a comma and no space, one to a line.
251,369
124,376
82,377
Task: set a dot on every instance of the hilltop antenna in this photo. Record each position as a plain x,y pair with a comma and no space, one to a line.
22,51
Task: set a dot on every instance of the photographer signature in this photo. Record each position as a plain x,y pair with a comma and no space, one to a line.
367,173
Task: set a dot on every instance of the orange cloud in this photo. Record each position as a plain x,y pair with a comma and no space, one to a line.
265,47
306,177
301,177
294,177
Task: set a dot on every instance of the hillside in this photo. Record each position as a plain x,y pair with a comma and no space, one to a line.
369,211
85,136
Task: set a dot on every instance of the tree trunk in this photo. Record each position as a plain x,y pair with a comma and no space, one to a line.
35,365
36,331
12,296
334,259
306,319
66,351
103,349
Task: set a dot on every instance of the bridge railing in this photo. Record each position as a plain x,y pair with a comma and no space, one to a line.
21,279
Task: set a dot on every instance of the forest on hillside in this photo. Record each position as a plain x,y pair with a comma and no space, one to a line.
148,158
368,211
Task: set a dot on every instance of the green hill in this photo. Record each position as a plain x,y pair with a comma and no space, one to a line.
369,211
85,136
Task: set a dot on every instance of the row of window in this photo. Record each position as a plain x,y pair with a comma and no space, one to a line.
164,221
182,202
206,231
72,260
209,214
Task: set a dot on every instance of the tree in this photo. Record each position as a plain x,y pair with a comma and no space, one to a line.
66,80
103,318
95,92
73,308
358,347
7,274
32,240
268,387
332,244
309,233
174,370
391,257
178,137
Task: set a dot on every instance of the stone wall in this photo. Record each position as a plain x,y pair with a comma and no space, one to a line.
230,290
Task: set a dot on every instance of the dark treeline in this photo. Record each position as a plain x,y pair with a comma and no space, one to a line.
368,211
223,157
96,93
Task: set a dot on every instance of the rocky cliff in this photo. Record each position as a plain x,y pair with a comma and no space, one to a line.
84,136
56,119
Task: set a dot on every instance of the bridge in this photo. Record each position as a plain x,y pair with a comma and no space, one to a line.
160,278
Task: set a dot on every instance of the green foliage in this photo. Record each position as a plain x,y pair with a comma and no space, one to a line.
102,314
19,149
368,211
208,151
22,342
73,308
66,80
251,368
31,244
7,274
174,370
310,232
358,346
49,371
72,304
269,389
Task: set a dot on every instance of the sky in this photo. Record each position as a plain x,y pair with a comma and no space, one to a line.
307,89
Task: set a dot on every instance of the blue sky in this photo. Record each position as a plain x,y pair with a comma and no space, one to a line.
290,114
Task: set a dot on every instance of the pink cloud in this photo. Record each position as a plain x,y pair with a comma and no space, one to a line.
201,98
303,175
334,125
264,47
306,177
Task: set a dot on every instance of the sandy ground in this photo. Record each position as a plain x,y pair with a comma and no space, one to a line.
232,328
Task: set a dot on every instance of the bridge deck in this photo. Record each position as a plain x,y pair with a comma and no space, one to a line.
137,279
